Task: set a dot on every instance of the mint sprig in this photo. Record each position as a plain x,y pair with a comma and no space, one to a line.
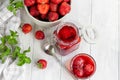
15,5
9,48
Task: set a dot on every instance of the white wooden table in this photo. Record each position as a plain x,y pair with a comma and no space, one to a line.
101,13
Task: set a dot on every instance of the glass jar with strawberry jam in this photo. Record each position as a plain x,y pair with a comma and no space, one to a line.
67,38
82,65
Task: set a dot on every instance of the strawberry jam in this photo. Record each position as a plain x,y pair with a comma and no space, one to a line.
67,38
83,66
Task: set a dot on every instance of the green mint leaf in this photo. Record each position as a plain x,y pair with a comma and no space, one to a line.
28,50
14,34
6,53
16,52
14,11
3,59
21,62
3,40
27,60
14,5
12,41
10,8
8,47
11,1
19,4
21,56
2,47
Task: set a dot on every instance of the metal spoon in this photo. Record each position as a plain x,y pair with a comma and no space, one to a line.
50,50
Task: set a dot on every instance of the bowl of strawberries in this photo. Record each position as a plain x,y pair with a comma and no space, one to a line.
47,12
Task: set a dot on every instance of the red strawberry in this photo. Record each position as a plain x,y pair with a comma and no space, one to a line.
29,2
56,1
34,11
89,68
78,72
64,8
52,16
43,8
26,28
43,1
43,16
66,0
39,35
42,64
53,7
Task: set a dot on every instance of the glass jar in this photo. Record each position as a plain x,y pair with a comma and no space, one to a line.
67,38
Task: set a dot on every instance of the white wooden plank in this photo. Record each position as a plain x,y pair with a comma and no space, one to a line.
119,39
105,18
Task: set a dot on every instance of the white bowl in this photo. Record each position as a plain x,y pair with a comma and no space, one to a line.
41,23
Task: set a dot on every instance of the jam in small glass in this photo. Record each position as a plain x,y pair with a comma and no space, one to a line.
67,38
82,66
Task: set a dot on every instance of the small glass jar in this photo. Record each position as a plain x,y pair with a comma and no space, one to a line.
67,38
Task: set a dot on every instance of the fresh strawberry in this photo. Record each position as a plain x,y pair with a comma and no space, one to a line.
43,16
89,68
39,35
78,72
34,11
26,28
66,0
43,8
53,7
56,1
64,8
29,3
42,1
42,64
52,16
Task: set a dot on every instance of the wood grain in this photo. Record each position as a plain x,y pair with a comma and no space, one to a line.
105,52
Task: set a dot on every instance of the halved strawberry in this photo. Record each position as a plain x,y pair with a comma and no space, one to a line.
42,63
52,16
43,8
43,1
29,2
64,8
34,11
56,1
53,7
